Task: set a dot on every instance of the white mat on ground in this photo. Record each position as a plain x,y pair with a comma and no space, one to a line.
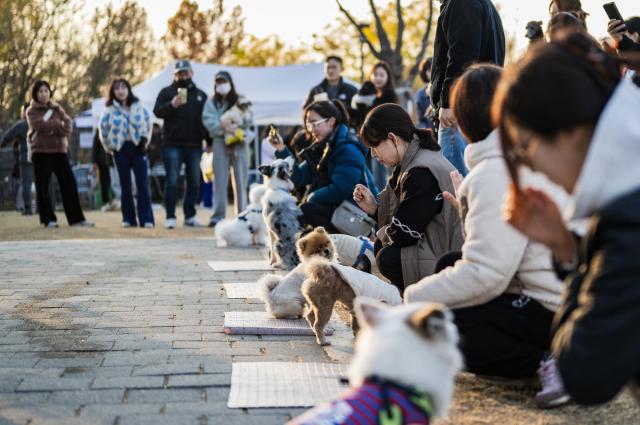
260,323
241,290
240,266
281,384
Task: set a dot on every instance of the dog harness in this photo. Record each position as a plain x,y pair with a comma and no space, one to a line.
243,217
364,247
377,402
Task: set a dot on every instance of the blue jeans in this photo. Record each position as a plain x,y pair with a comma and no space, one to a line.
174,157
128,158
453,146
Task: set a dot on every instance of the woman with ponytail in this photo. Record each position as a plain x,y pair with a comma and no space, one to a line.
564,110
331,167
416,225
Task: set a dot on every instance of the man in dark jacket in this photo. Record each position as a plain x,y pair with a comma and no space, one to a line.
468,31
18,135
183,134
333,86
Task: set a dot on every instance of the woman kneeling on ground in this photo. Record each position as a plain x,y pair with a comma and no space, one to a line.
416,225
503,288
565,110
333,165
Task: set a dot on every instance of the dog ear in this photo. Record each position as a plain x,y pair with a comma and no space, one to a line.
320,229
430,322
265,170
368,311
302,244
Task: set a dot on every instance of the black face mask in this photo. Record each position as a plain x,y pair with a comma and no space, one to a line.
183,84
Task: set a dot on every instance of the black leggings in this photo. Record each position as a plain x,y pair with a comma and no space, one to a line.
389,263
500,338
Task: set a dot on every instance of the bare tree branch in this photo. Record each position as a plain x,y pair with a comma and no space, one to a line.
346,13
423,47
385,45
400,32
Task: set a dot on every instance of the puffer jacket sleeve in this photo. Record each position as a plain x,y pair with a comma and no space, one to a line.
67,123
211,120
596,340
163,108
491,253
104,129
301,175
37,123
347,172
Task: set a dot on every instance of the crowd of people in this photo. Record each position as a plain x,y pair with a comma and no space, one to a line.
540,281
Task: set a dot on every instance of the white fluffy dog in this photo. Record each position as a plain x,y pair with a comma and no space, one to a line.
404,356
248,228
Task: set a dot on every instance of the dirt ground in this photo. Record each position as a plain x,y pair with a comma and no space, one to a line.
476,402
15,227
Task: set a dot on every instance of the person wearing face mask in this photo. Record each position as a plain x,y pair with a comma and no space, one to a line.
49,129
416,225
227,156
180,105
331,167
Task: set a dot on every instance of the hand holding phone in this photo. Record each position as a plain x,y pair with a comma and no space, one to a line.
612,11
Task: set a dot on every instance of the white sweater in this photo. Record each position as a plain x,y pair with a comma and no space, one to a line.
496,258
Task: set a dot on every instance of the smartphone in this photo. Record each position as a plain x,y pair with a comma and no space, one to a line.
182,92
612,11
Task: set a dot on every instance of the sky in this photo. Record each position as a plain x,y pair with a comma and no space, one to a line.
296,21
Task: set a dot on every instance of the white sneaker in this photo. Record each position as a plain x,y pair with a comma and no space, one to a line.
52,224
170,223
552,393
104,208
126,225
149,225
193,222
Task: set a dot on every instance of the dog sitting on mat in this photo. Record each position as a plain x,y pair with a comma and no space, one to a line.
281,214
248,228
329,282
282,294
403,370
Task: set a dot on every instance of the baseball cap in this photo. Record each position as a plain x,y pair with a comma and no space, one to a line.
182,65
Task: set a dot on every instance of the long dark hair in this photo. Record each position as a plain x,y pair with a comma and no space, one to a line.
111,96
327,109
556,87
390,86
472,98
391,118
37,86
231,97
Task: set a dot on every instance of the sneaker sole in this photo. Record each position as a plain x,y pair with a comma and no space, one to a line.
550,404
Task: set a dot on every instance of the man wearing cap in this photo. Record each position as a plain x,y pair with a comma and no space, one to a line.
180,105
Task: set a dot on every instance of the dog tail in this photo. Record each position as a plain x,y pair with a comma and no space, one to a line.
256,193
319,269
266,284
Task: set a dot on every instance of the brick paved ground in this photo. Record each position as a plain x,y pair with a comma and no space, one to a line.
126,332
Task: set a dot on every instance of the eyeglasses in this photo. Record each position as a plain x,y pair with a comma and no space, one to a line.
311,125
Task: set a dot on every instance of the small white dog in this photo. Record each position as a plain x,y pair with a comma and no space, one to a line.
282,295
281,214
248,228
406,359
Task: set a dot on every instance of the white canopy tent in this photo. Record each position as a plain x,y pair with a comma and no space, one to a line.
277,93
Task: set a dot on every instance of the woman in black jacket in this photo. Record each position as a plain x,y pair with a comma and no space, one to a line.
564,110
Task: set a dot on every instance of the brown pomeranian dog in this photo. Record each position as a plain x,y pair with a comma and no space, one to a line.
281,294
329,282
